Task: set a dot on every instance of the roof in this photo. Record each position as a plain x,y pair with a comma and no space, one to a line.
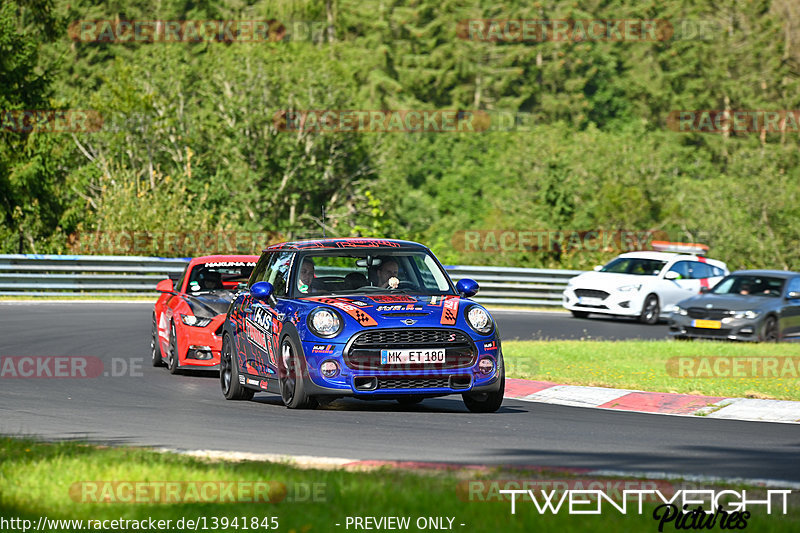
669,256
334,244
661,256
224,258
774,273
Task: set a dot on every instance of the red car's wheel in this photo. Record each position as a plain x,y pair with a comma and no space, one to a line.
172,361
155,346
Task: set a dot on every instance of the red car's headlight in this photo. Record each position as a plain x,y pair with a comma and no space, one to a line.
198,322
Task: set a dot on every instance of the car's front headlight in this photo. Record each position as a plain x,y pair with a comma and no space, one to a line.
196,321
626,288
324,322
747,314
479,320
678,310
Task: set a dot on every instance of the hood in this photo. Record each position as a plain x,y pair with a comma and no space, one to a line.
210,304
733,302
391,310
607,280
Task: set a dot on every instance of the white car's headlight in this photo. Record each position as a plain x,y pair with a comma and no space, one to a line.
198,322
324,322
479,320
746,314
626,288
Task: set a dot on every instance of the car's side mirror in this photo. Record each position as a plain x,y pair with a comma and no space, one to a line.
704,290
467,287
794,295
165,285
264,291
598,268
672,275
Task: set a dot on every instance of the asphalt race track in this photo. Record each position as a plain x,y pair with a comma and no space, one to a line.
147,406
530,325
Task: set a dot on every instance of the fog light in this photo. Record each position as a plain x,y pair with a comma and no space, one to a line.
329,369
746,331
625,305
486,366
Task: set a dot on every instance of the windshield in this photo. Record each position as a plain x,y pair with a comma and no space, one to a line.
633,265
219,276
749,285
368,272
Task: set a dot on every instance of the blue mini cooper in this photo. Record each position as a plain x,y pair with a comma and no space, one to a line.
373,319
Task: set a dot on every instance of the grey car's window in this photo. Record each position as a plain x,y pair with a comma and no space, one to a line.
794,285
750,285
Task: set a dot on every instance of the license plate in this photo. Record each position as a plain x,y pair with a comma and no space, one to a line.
586,300
399,357
707,324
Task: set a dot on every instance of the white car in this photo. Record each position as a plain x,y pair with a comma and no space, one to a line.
645,285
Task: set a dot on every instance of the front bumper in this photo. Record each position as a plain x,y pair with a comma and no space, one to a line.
620,303
202,346
734,329
355,378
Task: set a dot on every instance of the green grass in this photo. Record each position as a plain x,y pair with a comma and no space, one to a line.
36,480
643,365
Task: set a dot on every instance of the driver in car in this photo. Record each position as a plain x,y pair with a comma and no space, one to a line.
386,271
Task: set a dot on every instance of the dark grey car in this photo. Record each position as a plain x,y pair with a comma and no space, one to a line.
747,305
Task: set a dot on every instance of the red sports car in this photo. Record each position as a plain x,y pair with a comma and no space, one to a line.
188,315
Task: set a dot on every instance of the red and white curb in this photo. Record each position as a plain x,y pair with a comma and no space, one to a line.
654,402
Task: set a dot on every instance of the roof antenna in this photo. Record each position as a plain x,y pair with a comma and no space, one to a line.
323,221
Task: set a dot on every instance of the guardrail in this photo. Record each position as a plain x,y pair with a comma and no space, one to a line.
81,275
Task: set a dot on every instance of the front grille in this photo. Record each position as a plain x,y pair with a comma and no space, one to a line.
710,314
363,352
591,293
708,332
414,383
386,338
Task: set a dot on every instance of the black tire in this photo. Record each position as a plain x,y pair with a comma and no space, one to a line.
580,314
229,374
651,310
770,331
290,377
410,400
172,359
155,346
487,402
